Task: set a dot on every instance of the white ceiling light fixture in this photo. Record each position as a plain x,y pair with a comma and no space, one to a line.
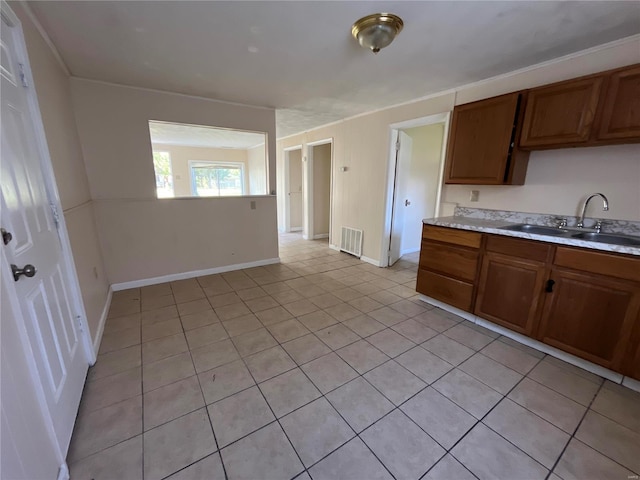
377,31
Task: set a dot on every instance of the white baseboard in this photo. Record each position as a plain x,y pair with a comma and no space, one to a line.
195,273
541,347
631,383
408,251
305,237
103,321
334,247
371,261
321,235
295,229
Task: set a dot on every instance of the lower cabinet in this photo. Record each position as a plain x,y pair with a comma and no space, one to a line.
590,316
581,301
509,292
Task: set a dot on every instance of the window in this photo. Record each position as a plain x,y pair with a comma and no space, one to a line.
205,161
216,179
164,177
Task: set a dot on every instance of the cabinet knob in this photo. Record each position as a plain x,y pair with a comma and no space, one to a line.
549,287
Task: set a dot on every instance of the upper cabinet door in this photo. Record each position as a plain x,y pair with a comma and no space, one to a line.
561,114
480,141
621,112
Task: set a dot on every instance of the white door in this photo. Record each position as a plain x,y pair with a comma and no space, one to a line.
402,170
45,308
295,191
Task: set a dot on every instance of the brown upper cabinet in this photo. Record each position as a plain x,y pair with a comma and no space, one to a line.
481,148
587,111
562,113
621,106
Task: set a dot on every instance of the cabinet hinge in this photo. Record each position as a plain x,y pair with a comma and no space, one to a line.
23,76
55,214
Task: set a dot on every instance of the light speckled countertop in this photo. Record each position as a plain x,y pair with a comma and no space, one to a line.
495,226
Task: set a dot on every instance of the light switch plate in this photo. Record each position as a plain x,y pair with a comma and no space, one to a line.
474,196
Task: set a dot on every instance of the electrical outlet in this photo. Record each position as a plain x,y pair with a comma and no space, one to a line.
253,204
474,196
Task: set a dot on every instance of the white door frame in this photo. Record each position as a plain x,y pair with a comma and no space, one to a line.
393,135
287,186
309,225
66,253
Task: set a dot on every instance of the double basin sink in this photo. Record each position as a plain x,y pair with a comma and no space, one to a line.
566,233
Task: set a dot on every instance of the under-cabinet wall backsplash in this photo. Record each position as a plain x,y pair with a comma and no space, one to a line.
627,227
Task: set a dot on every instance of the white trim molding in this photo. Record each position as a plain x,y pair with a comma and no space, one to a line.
103,320
145,282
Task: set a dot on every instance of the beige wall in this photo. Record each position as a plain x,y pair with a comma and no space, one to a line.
321,188
181,155
558,181
295,191
54,98
256,157
151,238
144,237
362,144
422,183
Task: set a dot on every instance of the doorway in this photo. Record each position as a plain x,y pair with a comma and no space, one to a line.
320,184
43,318
415,182
294,207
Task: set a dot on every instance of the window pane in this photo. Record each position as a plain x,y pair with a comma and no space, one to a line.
164,177
217,181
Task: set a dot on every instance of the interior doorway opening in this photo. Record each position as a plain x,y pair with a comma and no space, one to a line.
414,188
319,188
293,185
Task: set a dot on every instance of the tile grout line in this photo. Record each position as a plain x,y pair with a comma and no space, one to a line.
387,327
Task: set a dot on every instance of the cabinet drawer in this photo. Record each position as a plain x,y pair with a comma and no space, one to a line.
450,260
617,266
448,290
452,235
516,247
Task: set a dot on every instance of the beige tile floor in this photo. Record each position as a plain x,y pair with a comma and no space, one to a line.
326,367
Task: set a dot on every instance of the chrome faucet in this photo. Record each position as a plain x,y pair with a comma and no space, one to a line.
605,207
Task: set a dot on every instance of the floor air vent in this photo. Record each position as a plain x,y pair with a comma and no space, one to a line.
351,241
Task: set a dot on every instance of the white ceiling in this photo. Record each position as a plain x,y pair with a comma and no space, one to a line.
200,136
299,57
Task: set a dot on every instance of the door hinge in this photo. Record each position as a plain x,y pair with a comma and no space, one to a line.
398,146
55,214
23,76
80,327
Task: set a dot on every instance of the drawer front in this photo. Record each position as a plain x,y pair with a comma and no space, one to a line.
618,266
448,290
452,235
516,247
457,262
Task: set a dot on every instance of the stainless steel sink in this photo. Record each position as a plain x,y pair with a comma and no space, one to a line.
538,229
608,238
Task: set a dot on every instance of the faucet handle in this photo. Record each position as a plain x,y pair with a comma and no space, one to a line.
599,224
560,222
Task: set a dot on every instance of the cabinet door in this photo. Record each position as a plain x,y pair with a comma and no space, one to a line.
509,292
481,135
621,112
590,316
561,114
631,366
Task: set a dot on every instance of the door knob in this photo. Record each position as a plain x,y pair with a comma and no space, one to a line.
6,236
407,203
28,271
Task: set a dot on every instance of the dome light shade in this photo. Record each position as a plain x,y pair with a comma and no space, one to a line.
377,31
